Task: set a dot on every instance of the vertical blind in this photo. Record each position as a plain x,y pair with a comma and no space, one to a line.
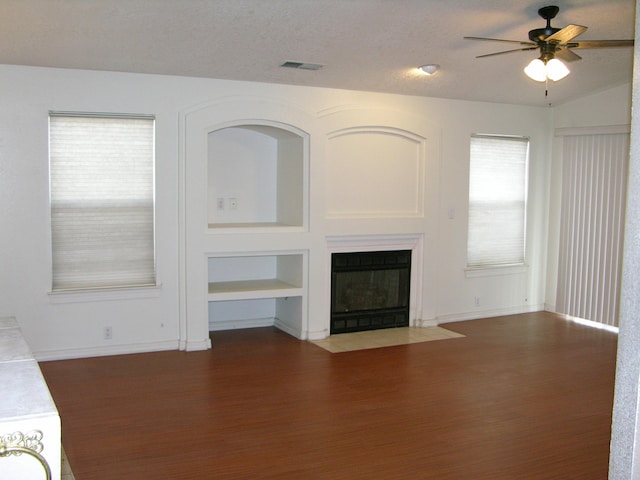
102,201
592,223
497,200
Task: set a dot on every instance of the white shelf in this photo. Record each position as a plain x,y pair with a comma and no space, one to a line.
252,289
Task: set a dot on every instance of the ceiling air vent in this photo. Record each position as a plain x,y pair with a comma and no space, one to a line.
302,66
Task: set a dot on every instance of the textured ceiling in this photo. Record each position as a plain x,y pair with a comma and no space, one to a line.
371,45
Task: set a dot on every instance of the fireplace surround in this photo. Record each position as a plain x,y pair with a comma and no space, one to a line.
370,290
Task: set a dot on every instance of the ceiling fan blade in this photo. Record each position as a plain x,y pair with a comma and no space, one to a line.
601,44
567,55
501,40
507,51
566,34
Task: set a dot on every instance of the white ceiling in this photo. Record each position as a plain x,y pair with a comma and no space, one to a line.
371,45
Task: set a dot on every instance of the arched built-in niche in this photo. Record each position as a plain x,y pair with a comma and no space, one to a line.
256,176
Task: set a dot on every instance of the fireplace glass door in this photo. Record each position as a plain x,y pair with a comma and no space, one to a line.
370,290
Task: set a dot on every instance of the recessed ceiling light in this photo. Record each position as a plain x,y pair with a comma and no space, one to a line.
429,69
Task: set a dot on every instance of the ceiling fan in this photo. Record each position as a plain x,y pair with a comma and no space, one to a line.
555,44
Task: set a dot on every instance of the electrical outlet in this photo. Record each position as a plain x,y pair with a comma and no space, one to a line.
107,333
477,301
220,203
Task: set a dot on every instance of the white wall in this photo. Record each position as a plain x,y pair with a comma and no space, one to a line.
497,294
606,108
58,328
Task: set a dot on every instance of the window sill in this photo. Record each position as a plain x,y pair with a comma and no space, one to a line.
493,270
104,294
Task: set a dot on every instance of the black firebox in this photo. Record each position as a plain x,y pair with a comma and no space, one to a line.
370,290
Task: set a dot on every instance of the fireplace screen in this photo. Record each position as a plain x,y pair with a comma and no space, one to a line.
370,290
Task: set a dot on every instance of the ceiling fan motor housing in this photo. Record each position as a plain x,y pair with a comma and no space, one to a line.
540,34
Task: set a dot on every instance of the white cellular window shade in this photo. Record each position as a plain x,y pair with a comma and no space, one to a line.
497,201
102,201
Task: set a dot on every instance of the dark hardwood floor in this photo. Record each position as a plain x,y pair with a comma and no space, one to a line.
520,397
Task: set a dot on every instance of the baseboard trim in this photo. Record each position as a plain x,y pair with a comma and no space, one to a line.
476,315
192,346
71,353
288,329
101,351
320,335
421,323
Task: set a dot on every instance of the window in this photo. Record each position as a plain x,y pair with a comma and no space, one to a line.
102,201
497,201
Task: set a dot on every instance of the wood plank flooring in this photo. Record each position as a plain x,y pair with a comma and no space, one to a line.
519,397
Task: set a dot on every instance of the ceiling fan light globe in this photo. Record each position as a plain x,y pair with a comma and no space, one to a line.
536,70
556,70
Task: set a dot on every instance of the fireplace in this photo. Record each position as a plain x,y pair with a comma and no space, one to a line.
370,290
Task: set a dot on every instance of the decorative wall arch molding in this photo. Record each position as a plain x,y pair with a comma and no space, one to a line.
225,109
386,164
341,116
381,129
379,149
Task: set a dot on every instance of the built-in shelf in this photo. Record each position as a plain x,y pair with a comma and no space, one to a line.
256,290
247,289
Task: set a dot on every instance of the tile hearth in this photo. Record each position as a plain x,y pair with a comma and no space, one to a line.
348,342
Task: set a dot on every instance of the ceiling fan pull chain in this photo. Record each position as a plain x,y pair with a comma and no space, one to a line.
546,87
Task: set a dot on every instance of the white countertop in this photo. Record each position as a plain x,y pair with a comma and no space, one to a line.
24,391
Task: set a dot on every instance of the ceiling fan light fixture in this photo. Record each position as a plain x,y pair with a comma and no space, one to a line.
429,69
536,70
556,70
540,70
